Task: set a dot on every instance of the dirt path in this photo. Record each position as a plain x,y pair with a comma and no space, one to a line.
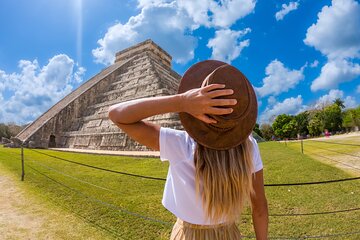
341,136
343,157
25,217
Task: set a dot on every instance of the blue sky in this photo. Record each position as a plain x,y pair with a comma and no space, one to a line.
297,54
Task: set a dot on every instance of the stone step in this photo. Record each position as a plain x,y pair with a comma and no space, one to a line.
34,126
158,92
166,71
131,81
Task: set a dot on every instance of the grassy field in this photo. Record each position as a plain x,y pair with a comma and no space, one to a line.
341,151
72,188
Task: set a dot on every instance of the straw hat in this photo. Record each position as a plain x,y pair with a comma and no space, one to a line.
231,129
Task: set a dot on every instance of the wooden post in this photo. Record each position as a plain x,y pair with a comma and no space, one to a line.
22,163
302,147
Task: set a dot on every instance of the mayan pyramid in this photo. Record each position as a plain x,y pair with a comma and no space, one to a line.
80,120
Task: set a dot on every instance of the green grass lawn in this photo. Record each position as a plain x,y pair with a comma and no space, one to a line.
341,152
140,196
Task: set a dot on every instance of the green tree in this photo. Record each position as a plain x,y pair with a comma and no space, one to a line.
285,126
257,130
351,118
14,129
266,131
339,102
316,125
302,121
332,118
4,131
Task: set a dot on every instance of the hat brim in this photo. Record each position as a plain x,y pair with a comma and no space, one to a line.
204,133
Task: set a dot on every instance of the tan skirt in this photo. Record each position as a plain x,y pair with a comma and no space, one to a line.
187,231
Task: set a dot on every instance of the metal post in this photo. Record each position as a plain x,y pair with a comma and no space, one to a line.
302,147
22,163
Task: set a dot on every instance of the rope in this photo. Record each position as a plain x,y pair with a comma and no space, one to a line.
163,179
167,223
350,166
273,215
100,168
348,154
92,222
315,213
75,178
109,205
311,183
347,144
310,237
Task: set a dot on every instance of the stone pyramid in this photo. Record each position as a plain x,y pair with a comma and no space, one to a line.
80,119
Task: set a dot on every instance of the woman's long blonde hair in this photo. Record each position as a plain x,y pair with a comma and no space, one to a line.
224,180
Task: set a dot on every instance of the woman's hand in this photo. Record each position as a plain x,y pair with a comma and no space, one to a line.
200,102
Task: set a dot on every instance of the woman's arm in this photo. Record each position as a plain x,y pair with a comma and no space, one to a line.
198,102
260,213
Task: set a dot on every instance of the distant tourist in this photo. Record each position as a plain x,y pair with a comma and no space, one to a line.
327,133
215,164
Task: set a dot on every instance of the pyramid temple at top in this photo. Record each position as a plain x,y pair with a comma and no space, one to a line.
80,119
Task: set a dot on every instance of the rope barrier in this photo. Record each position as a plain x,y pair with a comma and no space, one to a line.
311,183
109,205
348,154
170,224
273,215
315,213
75,178
347,144
350,166
92,222
163,179
311,237
167,223
100,168
332,235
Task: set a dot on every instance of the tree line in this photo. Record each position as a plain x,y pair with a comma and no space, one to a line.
331,118
9,130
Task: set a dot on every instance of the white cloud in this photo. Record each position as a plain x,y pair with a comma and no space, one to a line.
329,98
279,79
314,64
335,72
34,89
170,24
2,82
212,13
78,76
292,6
149,3
271,100
336,33
333,94
358,89
229,11
197,10
350,102
226,45
164,23
288,106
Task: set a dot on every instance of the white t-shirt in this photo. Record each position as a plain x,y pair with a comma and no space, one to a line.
180,196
